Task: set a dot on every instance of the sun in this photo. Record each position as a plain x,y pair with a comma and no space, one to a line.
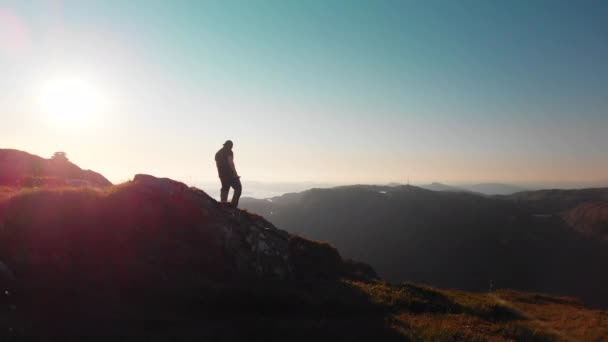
71,101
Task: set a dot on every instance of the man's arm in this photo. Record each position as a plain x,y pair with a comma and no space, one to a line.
232,167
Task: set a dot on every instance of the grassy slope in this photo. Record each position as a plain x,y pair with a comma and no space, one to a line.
424,313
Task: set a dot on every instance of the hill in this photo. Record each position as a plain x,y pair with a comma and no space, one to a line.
449,239
155,259
18,168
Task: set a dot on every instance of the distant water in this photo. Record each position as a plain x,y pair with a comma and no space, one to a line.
247,192
260,189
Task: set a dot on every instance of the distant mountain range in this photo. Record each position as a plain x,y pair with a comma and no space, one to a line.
494,188
539,240
442,187
481,188
263,190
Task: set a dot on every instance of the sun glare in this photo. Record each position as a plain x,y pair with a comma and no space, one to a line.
69,101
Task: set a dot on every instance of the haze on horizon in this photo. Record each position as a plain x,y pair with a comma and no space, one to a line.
312,91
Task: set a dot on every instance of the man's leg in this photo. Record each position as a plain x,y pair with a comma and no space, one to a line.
236,185
225,189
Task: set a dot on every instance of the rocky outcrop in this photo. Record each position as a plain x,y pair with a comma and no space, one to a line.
250,245
21,169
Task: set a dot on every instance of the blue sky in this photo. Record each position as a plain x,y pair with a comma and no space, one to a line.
323,91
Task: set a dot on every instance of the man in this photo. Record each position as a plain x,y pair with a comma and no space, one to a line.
224,159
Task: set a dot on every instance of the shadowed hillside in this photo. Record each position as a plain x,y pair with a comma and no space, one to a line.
584,210
451,239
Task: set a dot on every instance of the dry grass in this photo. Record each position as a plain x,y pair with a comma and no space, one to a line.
461,327
427,314
562,315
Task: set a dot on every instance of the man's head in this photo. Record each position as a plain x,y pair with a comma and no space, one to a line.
228,144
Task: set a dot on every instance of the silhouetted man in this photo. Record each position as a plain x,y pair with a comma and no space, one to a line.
224,159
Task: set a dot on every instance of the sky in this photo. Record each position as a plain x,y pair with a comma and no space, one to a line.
311,91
